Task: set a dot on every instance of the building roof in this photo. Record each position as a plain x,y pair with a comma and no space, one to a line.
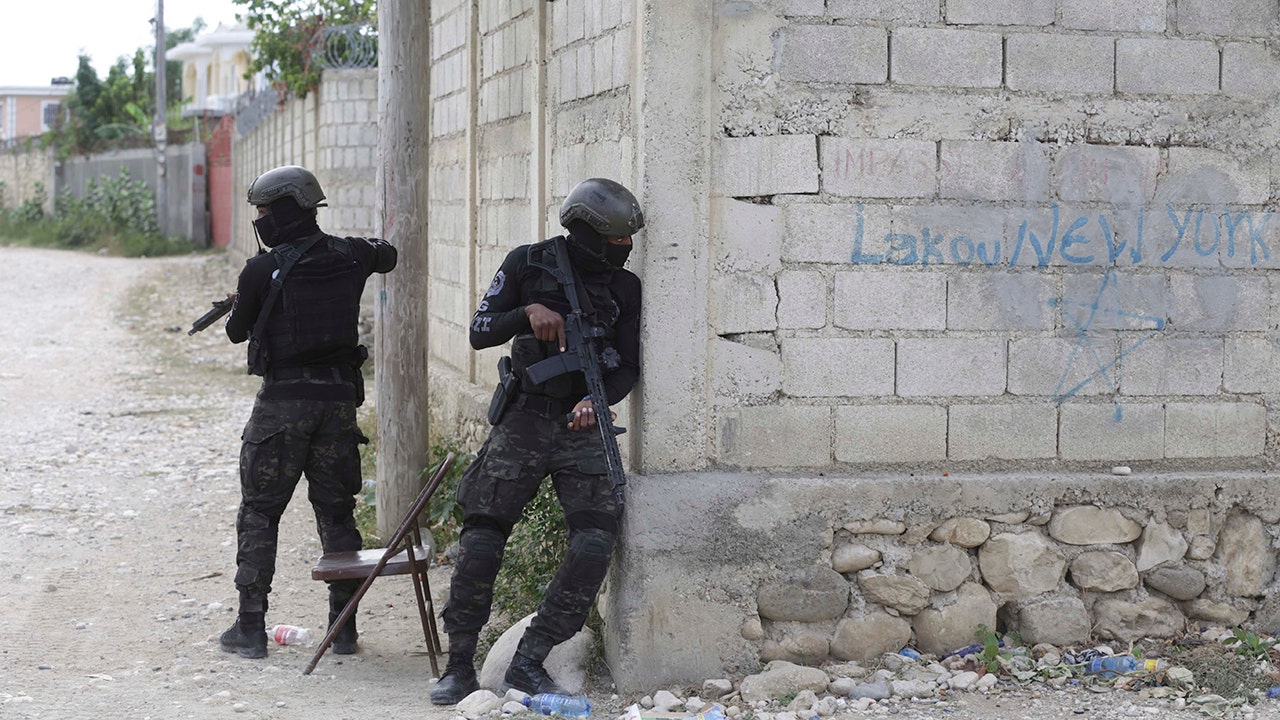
36,90
205,44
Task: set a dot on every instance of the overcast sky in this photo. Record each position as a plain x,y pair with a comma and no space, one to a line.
42,39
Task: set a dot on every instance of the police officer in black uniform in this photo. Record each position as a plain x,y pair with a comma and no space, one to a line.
542,433
298,306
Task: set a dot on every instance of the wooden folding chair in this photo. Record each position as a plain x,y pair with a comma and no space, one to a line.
404,554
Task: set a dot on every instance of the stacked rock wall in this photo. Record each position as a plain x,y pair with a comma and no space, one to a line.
811,570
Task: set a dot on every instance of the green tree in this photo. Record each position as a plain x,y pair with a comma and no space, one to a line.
285,36
117,111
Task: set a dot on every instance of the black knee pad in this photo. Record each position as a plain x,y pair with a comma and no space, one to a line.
481,554
589,555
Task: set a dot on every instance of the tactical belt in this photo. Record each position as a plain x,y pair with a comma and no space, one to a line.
544,405
317,374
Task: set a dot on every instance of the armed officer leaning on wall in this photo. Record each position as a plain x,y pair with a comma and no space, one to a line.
541,432
298,306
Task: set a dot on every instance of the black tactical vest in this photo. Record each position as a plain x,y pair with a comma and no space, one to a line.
546,290
319,308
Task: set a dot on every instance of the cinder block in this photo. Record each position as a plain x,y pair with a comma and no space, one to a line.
1249,18
801,8
1122,176
1062,368
1220,303
1111,433
834,54
1200,430
1248,238
1208,176
948,367
946,58
941,234
997,300
1036,13
802,300
1039,62
1166,67
1187,236
891,433
904,11
1115,301
774,436
754,166
748,236
888,300
739,370
1250,365
1002,432
745,303
836,234
1173,366
994,171
837,367
1111,16
1250,69
875,168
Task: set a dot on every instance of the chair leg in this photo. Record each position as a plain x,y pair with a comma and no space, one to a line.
347,611
422,589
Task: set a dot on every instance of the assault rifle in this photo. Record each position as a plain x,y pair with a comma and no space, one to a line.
220,308
584,354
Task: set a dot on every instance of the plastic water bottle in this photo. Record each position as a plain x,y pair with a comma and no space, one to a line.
563,705
292,635
1109,667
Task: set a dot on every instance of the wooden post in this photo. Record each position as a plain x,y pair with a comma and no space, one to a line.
400,358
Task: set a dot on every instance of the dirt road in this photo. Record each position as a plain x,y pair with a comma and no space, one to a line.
118,496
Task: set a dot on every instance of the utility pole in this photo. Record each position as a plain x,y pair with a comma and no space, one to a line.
400,320
159,129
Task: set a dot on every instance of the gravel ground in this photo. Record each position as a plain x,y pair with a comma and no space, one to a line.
118,495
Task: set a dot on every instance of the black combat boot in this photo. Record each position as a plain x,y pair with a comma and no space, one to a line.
526,673
459,679
247,637
344,643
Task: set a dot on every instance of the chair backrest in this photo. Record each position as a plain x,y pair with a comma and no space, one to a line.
408,529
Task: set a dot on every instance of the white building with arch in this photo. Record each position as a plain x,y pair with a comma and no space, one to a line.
214,66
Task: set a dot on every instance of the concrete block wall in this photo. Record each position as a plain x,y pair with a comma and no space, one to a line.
986,234
347,151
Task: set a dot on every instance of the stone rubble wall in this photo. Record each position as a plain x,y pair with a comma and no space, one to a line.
20,169
716,576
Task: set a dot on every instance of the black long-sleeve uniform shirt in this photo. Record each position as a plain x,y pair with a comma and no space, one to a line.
501,316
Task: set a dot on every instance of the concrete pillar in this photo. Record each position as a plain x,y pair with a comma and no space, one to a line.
400,306
674,161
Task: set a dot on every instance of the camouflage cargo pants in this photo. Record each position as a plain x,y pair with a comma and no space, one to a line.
283,440
520,452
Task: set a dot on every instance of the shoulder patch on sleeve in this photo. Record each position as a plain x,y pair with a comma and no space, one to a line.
499,282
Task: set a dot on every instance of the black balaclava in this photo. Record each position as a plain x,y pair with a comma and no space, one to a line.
285,220
591,252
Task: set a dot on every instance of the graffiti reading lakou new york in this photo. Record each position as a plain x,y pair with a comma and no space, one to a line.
1169,236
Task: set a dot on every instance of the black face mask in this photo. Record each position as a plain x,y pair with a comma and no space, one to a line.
616,255
265,227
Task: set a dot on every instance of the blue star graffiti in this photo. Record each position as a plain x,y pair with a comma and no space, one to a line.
1085,354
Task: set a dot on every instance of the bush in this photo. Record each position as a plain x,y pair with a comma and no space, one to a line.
117,214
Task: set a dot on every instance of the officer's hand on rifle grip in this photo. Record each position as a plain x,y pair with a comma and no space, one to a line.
584,416
547,324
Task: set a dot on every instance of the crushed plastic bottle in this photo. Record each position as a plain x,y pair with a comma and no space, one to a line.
1109,667
910,652
562,705
1274,692
292,635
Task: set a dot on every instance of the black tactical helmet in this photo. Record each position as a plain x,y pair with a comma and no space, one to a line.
287,181
608,207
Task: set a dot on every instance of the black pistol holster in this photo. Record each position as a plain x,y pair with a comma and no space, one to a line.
505,393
